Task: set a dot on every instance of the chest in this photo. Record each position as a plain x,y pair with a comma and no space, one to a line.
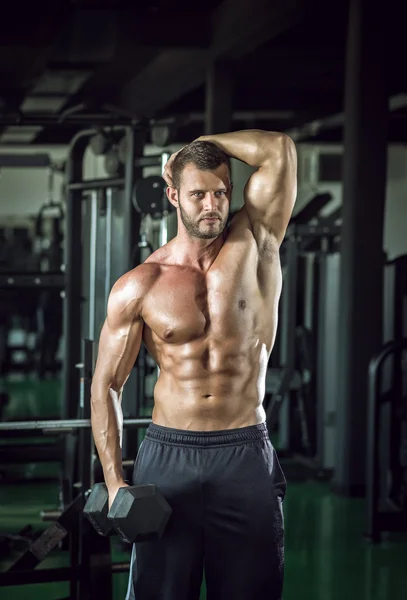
186,305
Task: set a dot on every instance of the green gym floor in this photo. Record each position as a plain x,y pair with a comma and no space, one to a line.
326,555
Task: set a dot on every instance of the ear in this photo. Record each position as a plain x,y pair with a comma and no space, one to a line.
172,195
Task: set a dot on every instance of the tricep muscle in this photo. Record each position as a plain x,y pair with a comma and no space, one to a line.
271,191
120,338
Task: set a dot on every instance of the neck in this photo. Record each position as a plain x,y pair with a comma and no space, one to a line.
196,252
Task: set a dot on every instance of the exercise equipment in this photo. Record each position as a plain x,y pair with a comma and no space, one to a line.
56,211
307,316
96,509
90,571
163,134
149,196
138,513
63,425
112,163
386,479
49,539
123,146
100,143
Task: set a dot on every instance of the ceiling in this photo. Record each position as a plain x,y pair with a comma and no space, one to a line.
69,59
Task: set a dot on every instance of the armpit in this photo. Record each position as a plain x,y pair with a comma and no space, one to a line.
267,244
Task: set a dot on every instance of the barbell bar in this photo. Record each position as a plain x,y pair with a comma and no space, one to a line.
63,424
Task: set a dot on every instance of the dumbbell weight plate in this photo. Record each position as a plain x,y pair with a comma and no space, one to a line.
162,134
123,146
149,196
112,164
139,513
96,509
100,143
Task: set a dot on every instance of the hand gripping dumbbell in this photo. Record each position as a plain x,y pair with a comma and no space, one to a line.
138,513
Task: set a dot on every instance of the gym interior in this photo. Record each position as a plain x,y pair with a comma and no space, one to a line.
94,98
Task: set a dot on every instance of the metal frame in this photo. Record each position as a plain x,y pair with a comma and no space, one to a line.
32,280
73,272
9,578
63,425
293,248
68,120
280,402
24,161
378,518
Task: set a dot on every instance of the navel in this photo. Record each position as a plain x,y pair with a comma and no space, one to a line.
242,304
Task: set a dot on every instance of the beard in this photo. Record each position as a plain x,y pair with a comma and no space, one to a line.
200,229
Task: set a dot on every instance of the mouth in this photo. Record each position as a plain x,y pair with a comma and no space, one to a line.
210,219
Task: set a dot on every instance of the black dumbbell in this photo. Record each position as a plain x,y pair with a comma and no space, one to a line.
97,508
138,513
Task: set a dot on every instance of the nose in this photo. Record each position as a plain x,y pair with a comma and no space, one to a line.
211,202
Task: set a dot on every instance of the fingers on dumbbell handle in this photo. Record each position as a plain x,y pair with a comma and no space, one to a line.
139,513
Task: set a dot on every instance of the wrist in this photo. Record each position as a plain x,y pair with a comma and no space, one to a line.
114,481
113,486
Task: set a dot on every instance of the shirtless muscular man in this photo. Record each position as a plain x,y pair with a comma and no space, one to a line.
205,305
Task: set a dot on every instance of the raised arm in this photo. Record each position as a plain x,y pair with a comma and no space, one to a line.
119,345
270,192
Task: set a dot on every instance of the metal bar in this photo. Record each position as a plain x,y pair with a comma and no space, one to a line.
130,233
92,263
24,161
374,527
314,128
72,330
95,184
32,280
86,448
155,160
64,425
312,208
30,453
287,349
108,245
238,115
78,119
313,230
10,578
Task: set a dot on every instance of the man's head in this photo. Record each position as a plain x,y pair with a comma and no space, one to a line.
201,174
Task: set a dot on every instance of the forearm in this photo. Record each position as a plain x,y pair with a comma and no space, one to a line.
252,146
107,429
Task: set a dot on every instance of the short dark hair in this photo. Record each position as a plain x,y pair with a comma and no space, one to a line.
206,156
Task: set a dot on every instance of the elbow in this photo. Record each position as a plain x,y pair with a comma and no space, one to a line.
285,144
278,147
282,150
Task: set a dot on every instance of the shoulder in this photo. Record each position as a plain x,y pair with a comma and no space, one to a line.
128,293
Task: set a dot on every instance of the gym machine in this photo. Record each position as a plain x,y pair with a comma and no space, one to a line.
106,214
90,572
386,452
387,412
29,261
300,380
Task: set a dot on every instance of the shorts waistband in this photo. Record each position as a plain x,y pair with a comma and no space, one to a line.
223,437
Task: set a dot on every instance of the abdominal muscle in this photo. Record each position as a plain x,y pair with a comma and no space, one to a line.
191,395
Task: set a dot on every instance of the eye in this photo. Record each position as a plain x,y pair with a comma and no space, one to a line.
221,193
197,194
